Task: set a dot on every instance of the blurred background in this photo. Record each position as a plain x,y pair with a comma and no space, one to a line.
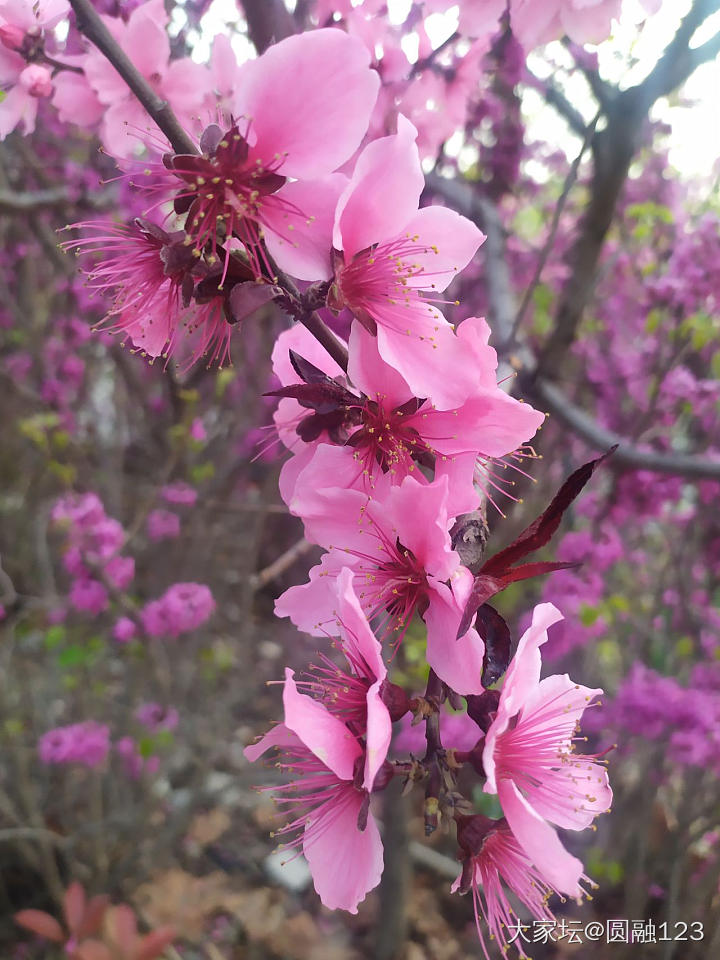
143,539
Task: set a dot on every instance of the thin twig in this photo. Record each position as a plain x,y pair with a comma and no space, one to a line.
283,562
557,213
678,464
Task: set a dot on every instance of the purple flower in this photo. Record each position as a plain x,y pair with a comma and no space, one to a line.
85,743
163,525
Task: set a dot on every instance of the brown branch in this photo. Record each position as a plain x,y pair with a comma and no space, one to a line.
283,562
613,150
268,21
90,24
554,97
600,438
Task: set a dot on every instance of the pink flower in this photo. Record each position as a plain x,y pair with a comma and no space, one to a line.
357,698
183,83
389,253
390,432
399,551
306,103
20,106
529,760
84,743
89,596
151,276
124,630
156,717
163,525
182,608
198,433
329,808
181,494
119,571
492,857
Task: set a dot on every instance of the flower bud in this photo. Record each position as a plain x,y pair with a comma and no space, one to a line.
12,36
37,80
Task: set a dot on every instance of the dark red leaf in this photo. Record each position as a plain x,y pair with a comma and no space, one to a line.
496,636
541,530
315,396
210,138
527,570
307,371
483,588
246,298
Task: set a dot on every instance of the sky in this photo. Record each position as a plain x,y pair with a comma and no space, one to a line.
695,139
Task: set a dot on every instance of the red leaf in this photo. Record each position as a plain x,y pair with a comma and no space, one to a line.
541,530
41,923
74,906
92,950
93,917
154,943
483,588
527,570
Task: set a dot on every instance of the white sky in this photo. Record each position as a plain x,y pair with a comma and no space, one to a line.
695,138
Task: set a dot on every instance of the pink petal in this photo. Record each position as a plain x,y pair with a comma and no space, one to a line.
278,736
378,735
310,97
457,662
322,733
299,339
446,243
540,842
417,513
475,333
369,372
146,38
310,605
523,674
460,472
345,862
423,351
383,194
18,107
298,224
293,467
359,640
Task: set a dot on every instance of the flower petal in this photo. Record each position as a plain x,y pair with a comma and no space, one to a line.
346,863
322,733
383,193
540,842
309,97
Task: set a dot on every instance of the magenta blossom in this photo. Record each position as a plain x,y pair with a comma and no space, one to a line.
180,494
163,525
156,717
492,859
530,763
85,743
328,805
124,630
182,608
399,551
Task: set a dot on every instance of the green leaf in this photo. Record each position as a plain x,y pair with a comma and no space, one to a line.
54,636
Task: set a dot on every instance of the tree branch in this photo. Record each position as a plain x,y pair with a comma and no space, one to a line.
268,21
600,438
90,24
